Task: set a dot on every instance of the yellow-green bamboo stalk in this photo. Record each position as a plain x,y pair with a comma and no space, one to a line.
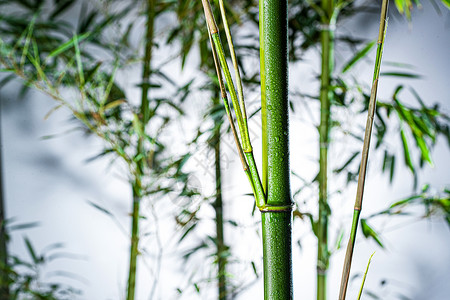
365,152
235,64
244,141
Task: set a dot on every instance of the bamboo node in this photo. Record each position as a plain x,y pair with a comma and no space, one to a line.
276,208
327,27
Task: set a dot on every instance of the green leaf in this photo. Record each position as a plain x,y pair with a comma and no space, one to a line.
425,152
405,201
370,232
406,152
61,7
254,269
446,3
23,226
358,56
113,104
339,170
31,251
187,231
102,209
67,45
401,74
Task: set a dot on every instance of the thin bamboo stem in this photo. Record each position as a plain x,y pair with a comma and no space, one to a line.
327,46
244,146
235,64
276,224
229,81
141,164
365,152
218,208
134,251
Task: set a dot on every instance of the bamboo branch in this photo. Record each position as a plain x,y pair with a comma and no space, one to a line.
365,153
244,145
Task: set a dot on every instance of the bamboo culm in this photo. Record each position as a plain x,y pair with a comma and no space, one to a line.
276,208
141,164
277,217
218,208
327,46
365,152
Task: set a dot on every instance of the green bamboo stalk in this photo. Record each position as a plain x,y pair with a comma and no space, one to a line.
276,209
277,215
145,116
365,152
218,208
327,46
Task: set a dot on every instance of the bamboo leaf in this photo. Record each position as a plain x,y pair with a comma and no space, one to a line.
31,251
23,226
446,3
358,56
405,201
401,74
47,115
187,231
425,152
254,269
61,7
102,209
370,232
406,152
114,104
345,165
67,45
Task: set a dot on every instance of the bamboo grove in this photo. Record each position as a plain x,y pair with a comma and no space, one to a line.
57,58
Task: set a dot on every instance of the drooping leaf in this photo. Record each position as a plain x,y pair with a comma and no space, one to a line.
358,56
186,232
370,232
31,251
348,162
406,152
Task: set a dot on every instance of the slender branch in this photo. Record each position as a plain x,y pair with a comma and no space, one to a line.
365,153
243,146
327,45
235,64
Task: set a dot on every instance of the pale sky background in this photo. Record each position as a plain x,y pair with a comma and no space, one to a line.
48,181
